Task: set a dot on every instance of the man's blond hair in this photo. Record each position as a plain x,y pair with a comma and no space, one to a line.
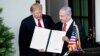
35,7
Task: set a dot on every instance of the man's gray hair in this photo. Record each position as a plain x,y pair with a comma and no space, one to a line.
67,9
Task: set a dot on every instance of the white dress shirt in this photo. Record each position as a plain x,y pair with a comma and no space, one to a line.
68,24
41,21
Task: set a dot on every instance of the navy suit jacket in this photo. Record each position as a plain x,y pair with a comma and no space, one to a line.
58,26
26,32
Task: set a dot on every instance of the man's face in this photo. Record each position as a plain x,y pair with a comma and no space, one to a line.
63,16
37,13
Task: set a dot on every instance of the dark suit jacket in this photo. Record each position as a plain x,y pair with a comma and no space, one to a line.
58,26
26,32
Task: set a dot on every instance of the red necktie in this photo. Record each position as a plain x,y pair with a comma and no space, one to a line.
39,24
64,27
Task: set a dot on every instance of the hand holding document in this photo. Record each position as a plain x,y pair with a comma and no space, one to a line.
65,38
48,40
41,50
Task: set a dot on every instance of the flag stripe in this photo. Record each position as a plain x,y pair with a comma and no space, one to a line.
73,44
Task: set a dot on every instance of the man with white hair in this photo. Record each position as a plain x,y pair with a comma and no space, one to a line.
66,24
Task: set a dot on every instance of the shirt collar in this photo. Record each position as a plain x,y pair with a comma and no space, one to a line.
69,22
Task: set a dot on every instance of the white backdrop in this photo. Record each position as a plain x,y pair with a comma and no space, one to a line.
97,15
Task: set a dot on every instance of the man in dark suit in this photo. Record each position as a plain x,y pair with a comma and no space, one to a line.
27,30
66,24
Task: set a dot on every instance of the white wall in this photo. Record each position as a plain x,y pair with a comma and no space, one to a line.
53,8
97,15
13,13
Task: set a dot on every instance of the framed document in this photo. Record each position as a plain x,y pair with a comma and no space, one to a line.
49,40
40,38
56,43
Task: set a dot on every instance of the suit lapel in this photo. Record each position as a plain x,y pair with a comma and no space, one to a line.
60,25
44,22
69,32
33,21
71,26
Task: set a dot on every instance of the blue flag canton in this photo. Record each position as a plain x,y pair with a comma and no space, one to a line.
74,33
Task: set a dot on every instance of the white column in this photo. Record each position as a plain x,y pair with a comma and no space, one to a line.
43,2
97,17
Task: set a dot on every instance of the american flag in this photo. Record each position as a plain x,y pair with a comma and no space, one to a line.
73,44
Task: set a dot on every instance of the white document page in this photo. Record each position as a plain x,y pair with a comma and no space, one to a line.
56,43
40,38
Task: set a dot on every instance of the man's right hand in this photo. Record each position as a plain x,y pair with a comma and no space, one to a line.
41,50
65,38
